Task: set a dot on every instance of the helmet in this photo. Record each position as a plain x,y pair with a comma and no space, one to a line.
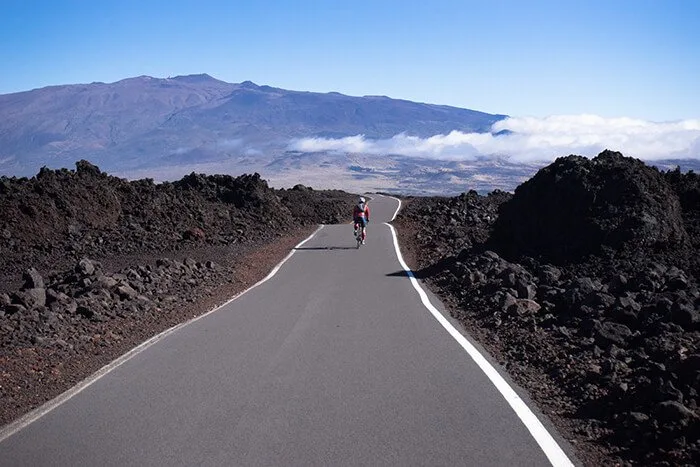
361,199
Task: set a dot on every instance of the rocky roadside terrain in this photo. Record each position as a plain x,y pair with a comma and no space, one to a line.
91,265
584,285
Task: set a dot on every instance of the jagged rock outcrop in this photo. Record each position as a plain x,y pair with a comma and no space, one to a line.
53,219
576,207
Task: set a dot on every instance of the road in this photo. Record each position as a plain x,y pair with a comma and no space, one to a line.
332,361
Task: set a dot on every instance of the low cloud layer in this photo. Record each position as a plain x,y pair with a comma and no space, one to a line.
531,139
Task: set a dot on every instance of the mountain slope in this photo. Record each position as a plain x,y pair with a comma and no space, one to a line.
148,122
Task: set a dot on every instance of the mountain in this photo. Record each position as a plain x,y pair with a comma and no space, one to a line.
56,124
157,126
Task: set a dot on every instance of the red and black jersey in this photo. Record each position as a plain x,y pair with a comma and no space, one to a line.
361,211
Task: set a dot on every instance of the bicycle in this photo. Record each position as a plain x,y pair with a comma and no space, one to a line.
358,235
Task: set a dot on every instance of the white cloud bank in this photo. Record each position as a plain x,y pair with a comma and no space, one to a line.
534,140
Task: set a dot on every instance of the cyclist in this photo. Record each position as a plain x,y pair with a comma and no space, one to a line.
360,215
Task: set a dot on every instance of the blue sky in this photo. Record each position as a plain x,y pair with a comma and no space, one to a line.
614,58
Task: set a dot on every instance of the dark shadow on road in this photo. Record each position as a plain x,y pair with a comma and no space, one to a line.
426,272
327,248
398,274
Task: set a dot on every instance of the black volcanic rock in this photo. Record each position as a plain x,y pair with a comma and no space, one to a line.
687,188
308,208
577,207
60,216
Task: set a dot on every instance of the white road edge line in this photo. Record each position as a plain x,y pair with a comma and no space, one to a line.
398,208
39,412
549,446
395,199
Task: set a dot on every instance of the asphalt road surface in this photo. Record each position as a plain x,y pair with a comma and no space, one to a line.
332,361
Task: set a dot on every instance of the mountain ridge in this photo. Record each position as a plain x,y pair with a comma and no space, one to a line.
144,121
164,128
